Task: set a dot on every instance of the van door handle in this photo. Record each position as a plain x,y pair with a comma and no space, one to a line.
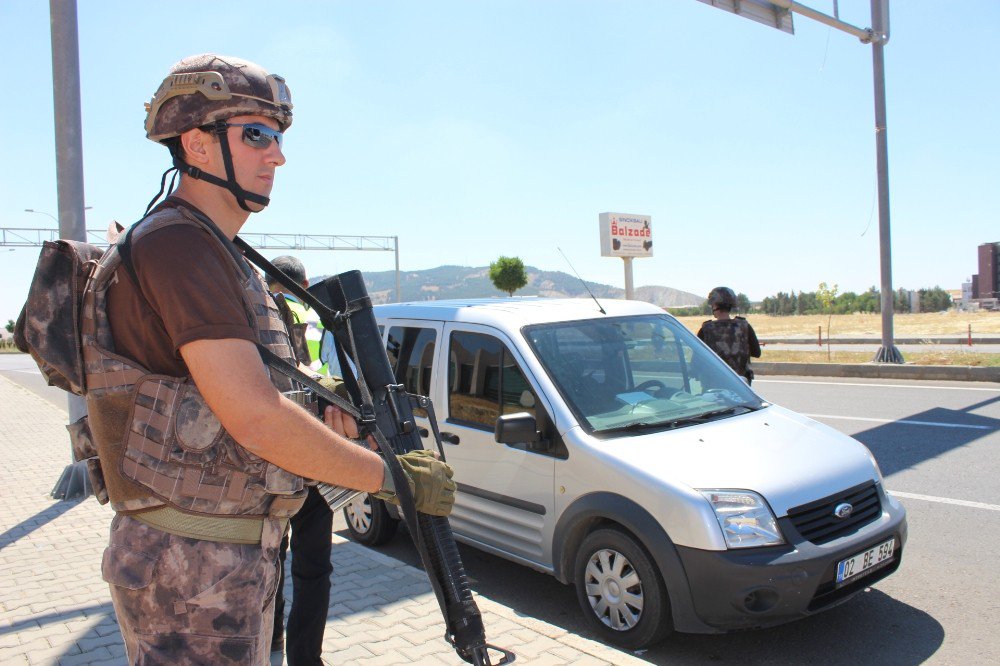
449,437
423,432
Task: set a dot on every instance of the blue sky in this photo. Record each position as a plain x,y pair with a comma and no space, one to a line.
475,128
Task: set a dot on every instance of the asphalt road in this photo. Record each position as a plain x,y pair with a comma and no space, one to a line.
939,448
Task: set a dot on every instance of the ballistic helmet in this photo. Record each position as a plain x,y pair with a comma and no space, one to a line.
202,89
722,298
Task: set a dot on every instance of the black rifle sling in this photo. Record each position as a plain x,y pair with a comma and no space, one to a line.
394,431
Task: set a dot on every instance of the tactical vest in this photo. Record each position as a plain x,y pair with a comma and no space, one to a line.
158,441
306,332
730,339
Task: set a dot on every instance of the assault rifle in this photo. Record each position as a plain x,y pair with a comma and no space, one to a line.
385,410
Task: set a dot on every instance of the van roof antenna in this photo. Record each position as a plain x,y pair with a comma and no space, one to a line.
581,280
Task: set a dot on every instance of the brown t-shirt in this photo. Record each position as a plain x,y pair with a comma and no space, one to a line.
190,291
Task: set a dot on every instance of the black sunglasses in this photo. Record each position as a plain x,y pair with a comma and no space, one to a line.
257,135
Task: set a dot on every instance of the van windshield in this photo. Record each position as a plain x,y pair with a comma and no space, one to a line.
638,374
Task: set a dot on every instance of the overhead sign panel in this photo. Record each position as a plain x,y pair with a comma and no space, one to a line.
761,11
626,235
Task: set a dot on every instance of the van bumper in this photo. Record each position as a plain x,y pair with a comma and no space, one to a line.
762,587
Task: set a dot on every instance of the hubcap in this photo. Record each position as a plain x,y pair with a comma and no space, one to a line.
613,589
359,512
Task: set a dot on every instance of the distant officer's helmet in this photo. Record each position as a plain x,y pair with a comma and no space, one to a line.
205,88
722,297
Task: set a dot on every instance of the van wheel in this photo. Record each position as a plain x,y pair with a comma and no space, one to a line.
369,521
620,590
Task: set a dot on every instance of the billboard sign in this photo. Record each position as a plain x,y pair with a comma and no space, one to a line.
626,235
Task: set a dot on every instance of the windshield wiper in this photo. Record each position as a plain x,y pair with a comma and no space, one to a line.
676,423
704,416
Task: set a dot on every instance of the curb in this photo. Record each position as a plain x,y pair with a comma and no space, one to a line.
963,373
964,341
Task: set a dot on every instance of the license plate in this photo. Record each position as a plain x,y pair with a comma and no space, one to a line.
863,562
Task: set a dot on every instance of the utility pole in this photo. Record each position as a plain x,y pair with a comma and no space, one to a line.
74,481
887,353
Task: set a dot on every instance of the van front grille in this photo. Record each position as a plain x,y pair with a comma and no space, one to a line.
818,523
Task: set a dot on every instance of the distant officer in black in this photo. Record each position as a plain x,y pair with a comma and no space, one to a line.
732,338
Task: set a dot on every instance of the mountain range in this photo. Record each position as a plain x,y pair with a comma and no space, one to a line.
467,282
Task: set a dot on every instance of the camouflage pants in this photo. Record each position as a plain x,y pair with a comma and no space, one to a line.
185,601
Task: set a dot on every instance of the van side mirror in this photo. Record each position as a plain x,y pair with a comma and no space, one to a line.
516,428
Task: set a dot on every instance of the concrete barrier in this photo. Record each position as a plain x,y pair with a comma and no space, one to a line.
963,373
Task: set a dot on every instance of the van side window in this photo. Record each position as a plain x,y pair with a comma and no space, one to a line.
484,381
411,355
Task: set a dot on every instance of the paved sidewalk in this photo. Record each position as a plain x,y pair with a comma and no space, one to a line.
55,609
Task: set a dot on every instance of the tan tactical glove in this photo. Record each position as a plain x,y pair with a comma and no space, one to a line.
430,482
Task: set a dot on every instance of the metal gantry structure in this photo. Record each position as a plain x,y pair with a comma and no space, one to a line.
35,237
778,14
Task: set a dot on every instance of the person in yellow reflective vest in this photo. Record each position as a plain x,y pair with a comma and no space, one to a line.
312,526
308,327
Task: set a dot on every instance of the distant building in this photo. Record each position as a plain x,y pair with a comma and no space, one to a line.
986,283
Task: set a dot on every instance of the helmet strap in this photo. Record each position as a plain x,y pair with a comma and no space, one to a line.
163,182
219,128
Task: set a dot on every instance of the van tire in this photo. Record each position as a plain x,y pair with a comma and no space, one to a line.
620,590
368,521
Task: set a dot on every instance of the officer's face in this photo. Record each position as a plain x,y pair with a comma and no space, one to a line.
254,166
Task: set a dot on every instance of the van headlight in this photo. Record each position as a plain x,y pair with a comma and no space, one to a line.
745,518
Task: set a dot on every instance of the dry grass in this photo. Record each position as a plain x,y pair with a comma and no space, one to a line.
950,324
869,325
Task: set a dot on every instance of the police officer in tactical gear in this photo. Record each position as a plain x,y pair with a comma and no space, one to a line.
732,338
203,457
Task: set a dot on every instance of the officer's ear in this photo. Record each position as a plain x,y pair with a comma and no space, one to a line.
194,146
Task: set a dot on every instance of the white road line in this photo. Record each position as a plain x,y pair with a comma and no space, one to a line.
946,500
908,386
906,421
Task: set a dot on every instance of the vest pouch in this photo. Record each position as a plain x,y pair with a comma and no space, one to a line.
279,481
197,430
84,449
108,415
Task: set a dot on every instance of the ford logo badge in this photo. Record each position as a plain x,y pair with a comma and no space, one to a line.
843,510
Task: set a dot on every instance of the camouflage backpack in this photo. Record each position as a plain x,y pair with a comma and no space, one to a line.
48,327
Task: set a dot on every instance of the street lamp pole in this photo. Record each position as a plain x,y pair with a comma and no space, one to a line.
888,352
74,481
54,218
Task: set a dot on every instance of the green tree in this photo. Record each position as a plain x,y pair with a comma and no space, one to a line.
901,300
934,300
826,297
10,325
742,303
508,274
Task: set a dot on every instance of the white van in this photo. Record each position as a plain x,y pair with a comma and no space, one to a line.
613,450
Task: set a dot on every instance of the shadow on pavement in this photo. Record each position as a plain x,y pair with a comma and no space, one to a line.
898,446
44,619
29,525
870,628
